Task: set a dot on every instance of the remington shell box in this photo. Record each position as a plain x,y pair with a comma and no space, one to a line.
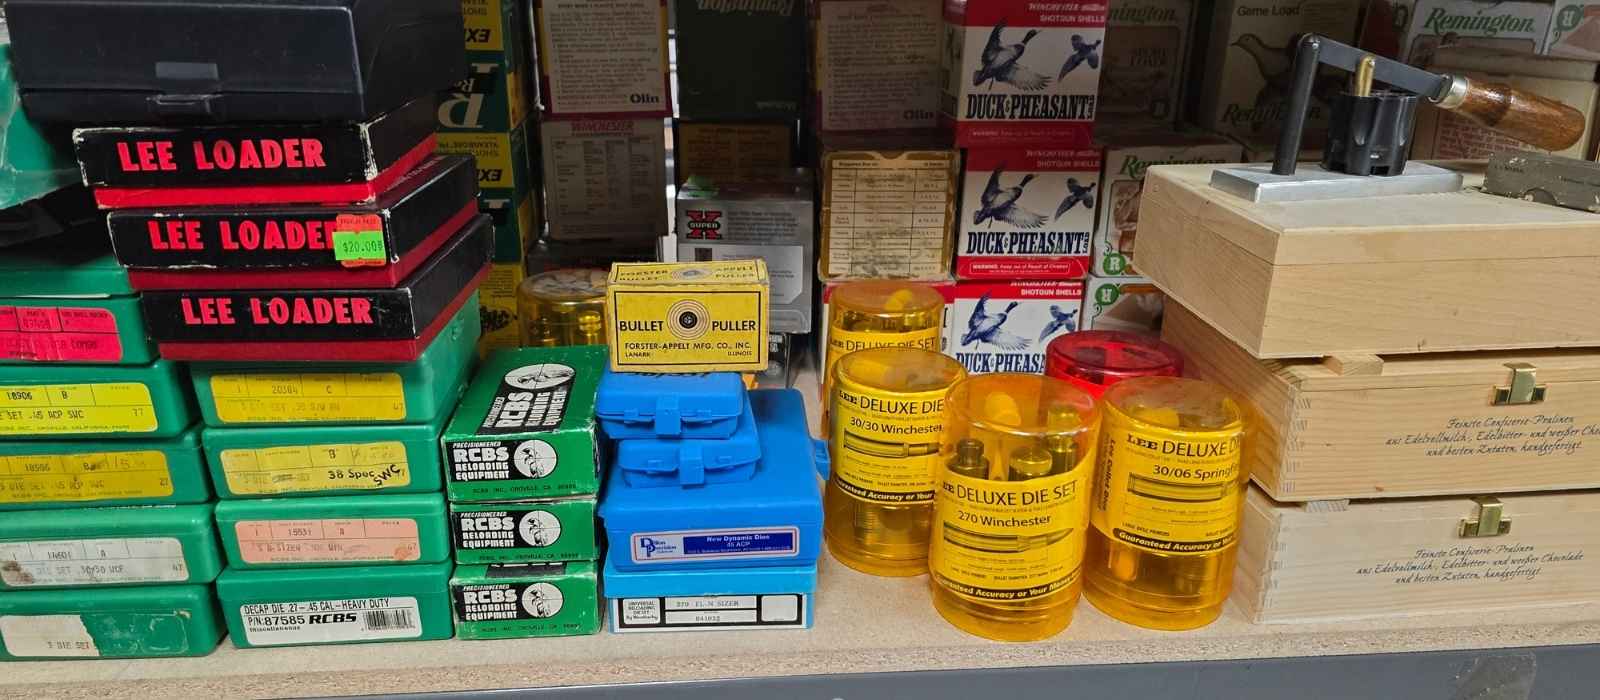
375,325
1442,135
726,152
1146,58
768,79
510,601
66,473
876,64
627,155
363,245
524,531
90,401
770,219
251,61
1249,57
120,623
1022,73
1006,326
1133,305
688,317
506,185
887,212
1128,154
1574,30
1027,213
622,75
525,428
1508,26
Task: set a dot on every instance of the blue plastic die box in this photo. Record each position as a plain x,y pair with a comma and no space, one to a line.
699,406
772,519
688,462
770,597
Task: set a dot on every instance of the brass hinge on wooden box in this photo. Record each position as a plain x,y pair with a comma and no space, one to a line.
1524,389
1490,520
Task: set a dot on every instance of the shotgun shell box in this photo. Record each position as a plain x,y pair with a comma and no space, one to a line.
499,315
1507,26
1022,73
1573,31
1441,135
274,533
1006,326
65,299
688,317
496,96
524,531
87,401
38,474
526,428
766,81
768,597
505,185
1146,58
309,246
1128,154
325,460
770,219
887,213
627,155
623,75
730,152
118,623
1028,213
108,547
1133,305
512,601
335,605
875,64
298,325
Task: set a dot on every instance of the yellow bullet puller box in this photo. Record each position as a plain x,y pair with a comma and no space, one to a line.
688,317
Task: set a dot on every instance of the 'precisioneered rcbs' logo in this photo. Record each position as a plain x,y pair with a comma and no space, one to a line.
688,319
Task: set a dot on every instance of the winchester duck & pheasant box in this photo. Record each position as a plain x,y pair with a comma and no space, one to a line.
285,247
875,64
254,164
1129,153
1022,73
1146,59
767,81
1027,213
688,317
68,473
1005,326
526,428
65,299
603,59
354,325
154,61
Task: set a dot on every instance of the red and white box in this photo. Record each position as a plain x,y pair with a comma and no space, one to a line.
1006,326
1028,213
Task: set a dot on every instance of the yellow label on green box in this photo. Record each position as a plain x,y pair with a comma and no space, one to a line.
298,398
1173,492
89,476
64,409
331,467
1009,540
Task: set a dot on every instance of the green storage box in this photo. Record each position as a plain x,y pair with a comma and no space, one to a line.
291,607
86,401
112,623
276,533
108,547
526,428
37,474
234,395
506,601
66,299
325,460
32,163
524,531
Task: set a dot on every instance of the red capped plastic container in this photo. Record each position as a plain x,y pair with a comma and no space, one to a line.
1094,360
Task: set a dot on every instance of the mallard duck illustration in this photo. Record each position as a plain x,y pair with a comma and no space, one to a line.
1059,319
1000,63
1076,194
985,327
998,204
1081,53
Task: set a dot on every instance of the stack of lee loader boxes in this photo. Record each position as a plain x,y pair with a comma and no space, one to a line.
296,237
1426,436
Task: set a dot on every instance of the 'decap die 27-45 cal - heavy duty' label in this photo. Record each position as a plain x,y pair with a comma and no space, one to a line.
330,467
314,397
888,443
1165,492
65,409
1009,540
88,476
322,621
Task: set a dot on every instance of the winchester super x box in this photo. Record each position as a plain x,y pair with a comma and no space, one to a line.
770,219
671,318
156,61
1027,213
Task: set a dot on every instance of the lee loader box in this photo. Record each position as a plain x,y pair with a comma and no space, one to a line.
326,460
887,212
69,473
336,605
108,547
1129,153
623,75
510,601
120,623
88,401
524,531
1027,213
278,533
605,178
875,64
1146,59
1006,326
688,317
770,219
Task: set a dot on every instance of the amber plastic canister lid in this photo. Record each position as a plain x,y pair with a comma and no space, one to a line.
1094,360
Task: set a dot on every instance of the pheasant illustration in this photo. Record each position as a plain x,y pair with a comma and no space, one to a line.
1276,65
985,327
1000,63
1059,320
1001,204
1076,194
1081,53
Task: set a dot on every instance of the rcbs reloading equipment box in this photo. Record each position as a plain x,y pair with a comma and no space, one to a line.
120,623
509,601
1027,213
1146,59
875,64
740,59
605,178
603,59
336,605
1006,326
672,318
560,529
69,473
768,218
525,428
108,547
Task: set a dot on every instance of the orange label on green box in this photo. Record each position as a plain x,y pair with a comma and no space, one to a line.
331,397
330,467
65,409
329,540
89,476
1167,491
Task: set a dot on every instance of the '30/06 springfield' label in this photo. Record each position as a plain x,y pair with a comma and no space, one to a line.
322,621
334,397
92,562
1167,492
699,545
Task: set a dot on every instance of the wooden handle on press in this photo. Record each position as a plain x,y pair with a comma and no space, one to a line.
1524,116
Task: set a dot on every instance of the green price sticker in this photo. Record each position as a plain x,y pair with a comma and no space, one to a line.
359,245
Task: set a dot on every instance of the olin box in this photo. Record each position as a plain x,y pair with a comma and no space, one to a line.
606,178
876,64
623,75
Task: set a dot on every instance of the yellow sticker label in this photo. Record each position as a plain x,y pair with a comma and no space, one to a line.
842,342
482,21
331,467
1009,540
690,330
886,446
316,397
1167,491
88,476
64,409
